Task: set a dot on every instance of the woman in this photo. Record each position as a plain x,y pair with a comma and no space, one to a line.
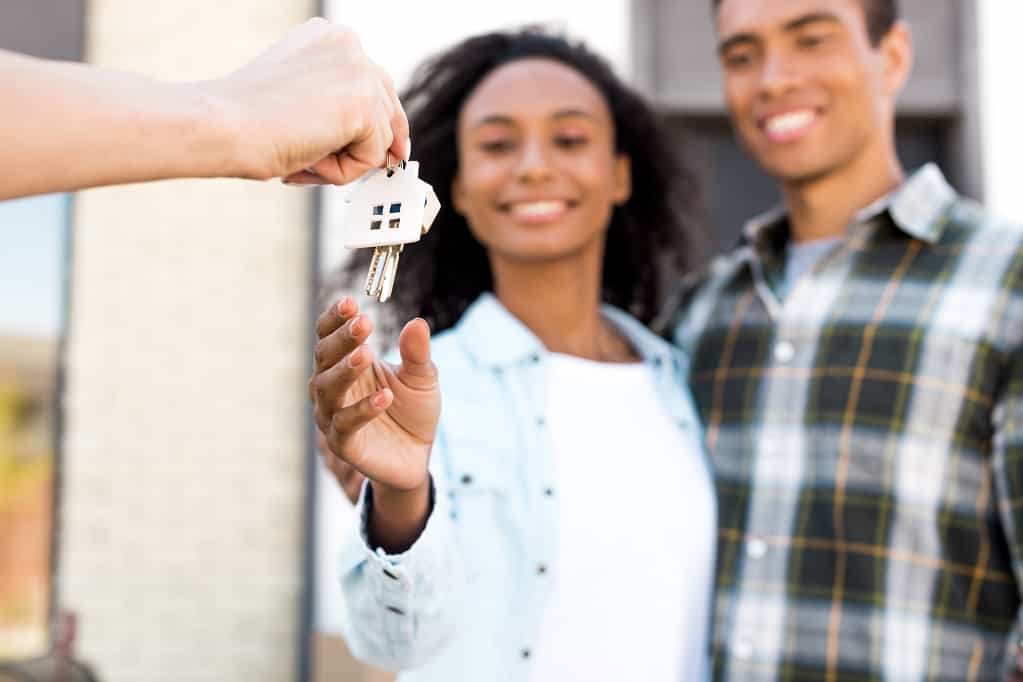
556,521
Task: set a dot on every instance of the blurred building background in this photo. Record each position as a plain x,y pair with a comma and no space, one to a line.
154,339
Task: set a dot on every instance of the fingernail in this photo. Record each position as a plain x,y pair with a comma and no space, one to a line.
357,324
380,399
357,356
344,304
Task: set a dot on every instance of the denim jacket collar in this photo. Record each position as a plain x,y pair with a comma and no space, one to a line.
496,338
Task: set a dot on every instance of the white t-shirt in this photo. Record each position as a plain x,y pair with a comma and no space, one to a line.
634,556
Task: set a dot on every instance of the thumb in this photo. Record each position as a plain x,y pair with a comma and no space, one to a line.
416,369
351,168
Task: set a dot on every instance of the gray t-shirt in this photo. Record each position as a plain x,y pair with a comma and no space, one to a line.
801,257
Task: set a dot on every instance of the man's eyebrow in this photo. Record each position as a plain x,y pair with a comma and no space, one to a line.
749,38
812,18
737,39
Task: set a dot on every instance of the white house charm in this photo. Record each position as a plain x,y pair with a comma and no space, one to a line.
387,209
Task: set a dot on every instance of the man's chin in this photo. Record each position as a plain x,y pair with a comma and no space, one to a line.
797,174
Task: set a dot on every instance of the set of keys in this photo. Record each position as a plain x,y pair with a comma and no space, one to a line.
387,209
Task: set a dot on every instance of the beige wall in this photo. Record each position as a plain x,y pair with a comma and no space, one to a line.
185,434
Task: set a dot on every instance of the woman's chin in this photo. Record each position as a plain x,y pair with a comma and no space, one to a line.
541,251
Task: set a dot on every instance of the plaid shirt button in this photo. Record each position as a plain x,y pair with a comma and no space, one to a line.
756,548
784,352
743,649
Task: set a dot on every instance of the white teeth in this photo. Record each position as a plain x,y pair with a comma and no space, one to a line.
535,209
786,123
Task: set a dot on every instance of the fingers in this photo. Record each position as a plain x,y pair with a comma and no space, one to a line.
344,424
414,343
336,315
330,386
347,421
303,178
366,153
401,147
416,370
328,170
343,343
351,167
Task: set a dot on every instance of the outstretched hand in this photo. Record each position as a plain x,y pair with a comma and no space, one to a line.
379,419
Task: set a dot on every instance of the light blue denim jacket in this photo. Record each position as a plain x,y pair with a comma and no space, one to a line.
465,601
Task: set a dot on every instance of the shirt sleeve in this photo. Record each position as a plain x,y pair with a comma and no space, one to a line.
401,609
1007,468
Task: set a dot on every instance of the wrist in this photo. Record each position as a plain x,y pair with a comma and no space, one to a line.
397,517
218,124
400,501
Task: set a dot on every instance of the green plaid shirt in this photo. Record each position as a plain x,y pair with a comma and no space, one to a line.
867,434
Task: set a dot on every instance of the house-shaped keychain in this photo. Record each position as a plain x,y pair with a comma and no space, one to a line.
388,207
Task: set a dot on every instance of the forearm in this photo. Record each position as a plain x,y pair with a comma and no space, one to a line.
105,127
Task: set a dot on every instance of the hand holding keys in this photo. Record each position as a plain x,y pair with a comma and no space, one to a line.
387,209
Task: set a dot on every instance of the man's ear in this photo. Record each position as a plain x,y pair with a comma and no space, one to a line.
623,179
896,50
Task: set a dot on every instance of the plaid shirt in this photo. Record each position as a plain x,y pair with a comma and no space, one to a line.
867,434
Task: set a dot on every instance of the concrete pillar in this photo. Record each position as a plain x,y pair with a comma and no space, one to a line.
185,436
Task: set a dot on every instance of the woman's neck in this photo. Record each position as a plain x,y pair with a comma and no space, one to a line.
559,301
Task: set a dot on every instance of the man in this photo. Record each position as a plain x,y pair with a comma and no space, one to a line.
311,109
858,362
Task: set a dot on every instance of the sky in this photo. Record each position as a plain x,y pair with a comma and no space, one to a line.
32,255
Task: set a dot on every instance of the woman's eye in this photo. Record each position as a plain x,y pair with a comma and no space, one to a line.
571,141
496,146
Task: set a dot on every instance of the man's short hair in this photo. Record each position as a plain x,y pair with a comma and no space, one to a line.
881,15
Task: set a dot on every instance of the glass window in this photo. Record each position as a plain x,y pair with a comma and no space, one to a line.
33,250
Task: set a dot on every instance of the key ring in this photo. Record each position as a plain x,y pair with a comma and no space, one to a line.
392,166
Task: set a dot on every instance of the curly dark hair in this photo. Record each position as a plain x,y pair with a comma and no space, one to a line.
650,239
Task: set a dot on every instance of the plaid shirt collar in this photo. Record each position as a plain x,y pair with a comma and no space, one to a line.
915,208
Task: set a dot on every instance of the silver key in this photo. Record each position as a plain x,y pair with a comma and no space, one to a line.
383,270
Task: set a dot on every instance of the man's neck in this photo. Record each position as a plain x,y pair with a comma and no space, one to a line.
824,207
